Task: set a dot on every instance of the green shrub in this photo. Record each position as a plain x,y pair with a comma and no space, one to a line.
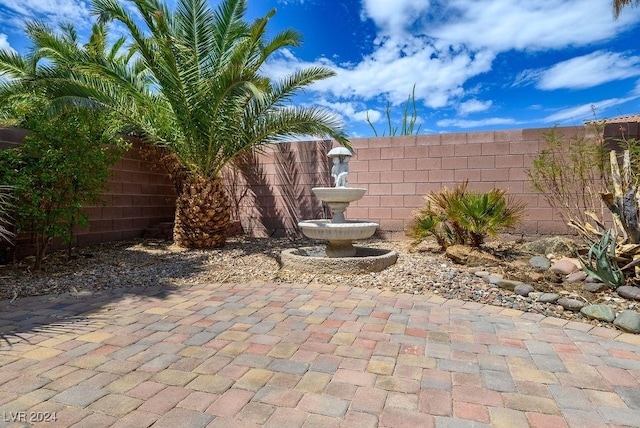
459,216
62,166
439,219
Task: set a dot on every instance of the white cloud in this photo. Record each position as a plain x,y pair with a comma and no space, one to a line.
390,71
438,78
589,70
374,116
473,106
4,43
287,2
394,17
440,45
578,115
51,11
462,123
502,25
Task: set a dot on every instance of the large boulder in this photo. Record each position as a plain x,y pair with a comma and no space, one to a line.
465,255
555,245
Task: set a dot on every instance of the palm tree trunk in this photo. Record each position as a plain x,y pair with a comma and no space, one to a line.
203,213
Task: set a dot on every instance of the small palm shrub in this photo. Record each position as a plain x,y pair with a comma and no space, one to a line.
459,216
486,214
438,218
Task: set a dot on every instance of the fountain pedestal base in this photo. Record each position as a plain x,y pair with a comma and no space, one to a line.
340,249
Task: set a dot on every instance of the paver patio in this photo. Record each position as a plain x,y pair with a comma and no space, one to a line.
277,355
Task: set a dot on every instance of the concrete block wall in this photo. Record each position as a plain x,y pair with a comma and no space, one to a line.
399,171
140,195
272,191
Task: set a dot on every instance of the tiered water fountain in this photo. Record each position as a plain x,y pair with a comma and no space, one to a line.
340,255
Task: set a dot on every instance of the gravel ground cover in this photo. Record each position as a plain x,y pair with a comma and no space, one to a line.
419,270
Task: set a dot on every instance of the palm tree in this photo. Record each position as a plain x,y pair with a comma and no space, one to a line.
619,4
53,70
190,82
208,102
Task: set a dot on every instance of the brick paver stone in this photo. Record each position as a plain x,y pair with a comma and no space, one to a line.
230,402
290,418
257,413
79,396
368,400
210,383
164,400
183,418
280,397
507,418
400,418
324,405
115,405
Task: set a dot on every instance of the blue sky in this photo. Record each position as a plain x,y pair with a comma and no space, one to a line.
475,64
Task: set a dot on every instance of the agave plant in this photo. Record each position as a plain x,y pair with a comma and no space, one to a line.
623,202
600,262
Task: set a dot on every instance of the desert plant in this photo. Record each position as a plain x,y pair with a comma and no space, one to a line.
430,225
486,214
623,202
408,126
600,262
618,5
459,216
569,172
632,145
209,100
439,219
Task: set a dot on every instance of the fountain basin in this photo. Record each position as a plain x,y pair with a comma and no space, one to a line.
314,260
328,231
340,235
339,194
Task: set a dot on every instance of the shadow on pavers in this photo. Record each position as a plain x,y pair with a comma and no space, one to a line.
72,309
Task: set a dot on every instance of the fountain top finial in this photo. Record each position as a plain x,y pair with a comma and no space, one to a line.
339,151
